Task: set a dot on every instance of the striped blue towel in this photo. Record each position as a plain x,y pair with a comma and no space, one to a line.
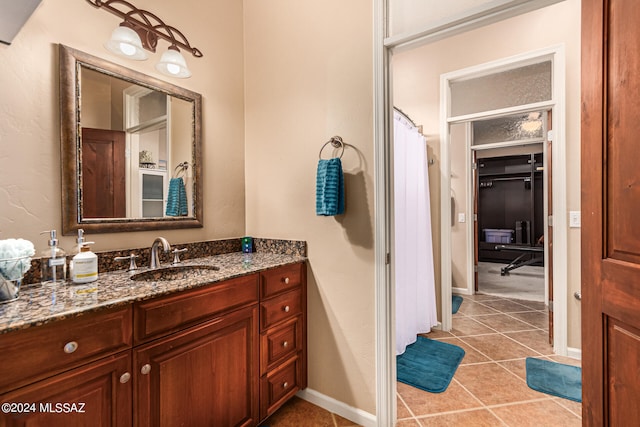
329,187
177,198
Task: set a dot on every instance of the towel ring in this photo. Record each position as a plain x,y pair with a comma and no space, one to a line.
337,142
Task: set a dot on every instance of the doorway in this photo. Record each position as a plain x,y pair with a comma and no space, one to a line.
509,200
454,85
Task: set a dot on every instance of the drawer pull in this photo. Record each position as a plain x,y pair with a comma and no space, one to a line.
70,347
285,344
286,280
145,369
286,309
124,378
285,385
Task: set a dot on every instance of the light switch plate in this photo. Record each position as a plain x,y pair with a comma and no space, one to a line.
462,217
574,219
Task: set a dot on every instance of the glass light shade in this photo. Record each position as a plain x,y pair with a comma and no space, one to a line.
126,42
172,64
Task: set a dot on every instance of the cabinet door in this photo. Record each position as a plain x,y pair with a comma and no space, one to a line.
97,394
204,376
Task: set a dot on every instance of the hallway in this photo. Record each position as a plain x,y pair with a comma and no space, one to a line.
489,388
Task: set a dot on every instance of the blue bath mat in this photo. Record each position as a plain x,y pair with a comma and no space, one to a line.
428,364
556,379
456,300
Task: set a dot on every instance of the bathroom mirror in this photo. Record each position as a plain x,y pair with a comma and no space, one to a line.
130,148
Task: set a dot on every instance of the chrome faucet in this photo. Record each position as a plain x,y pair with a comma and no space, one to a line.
155,260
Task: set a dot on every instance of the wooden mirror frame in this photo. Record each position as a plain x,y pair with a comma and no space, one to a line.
70,62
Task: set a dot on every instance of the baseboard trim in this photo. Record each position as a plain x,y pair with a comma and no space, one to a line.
355,415
575,353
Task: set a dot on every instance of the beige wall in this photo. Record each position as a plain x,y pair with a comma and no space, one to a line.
416,88
309,77
30,118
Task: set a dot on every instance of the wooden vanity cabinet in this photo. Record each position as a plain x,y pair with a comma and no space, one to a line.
203,370
283,349
97,394
222,355
74,372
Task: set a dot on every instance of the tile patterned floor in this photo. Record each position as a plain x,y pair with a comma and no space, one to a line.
488,389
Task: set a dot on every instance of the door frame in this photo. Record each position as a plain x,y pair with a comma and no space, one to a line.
383,48
559,219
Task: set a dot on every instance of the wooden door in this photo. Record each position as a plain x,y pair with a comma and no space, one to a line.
103,174
95,395
204,376
610,204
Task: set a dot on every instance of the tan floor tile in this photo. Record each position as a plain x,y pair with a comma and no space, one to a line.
470,354
537,340
477,418
343,422
408,423
506,306
502,322
403,411
575,407
542,413
465,326
534,318
436,333
300,413
534,305
498,347
481,297
424,403
518,367
493,385
471,308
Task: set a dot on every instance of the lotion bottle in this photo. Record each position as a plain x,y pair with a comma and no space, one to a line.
85,265
53,263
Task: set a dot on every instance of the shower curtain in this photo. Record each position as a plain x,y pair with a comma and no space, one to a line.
414,276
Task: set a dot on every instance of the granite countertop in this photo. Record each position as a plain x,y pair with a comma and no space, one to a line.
39,304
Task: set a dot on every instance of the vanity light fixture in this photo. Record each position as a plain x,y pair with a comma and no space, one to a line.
141,30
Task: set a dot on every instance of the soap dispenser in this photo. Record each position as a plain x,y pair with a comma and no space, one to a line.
76,250
85,265
53,262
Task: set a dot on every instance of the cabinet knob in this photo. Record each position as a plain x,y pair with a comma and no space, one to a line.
285,344
145,369
285,385
124,378
70,347
286,309
286,280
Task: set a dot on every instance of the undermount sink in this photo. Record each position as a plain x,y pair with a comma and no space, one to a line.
175,272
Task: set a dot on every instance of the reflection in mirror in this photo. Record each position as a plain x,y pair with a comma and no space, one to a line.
130,148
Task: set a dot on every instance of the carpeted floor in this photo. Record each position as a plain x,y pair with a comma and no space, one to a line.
524,283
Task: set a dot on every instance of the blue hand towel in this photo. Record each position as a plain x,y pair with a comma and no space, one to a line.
177,198
329,187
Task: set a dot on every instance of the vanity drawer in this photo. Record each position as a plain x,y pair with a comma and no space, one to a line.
280,279
279,385
280,308
280,342
162,316
39,352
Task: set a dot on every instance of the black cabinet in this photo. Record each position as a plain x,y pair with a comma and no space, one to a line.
510,204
